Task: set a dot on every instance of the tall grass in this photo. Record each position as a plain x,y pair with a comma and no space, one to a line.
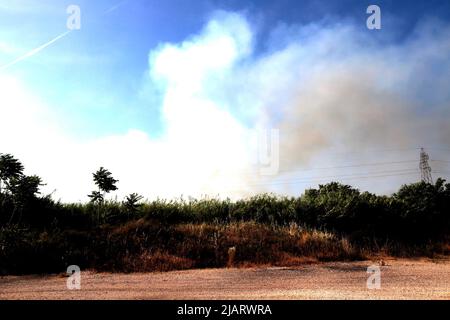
333,222
143,245
148,246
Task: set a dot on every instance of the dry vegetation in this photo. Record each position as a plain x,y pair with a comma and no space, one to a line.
333,222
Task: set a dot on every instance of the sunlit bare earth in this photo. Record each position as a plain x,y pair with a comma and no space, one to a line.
400,279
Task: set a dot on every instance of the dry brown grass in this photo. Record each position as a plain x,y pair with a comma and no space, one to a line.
239,244
148,245
156,261
232,245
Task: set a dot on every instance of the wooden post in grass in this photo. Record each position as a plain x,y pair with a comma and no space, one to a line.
231,255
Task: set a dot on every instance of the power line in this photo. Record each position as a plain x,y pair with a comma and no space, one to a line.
442,172
324,179
351,166
439,148
378,150
351,176
444,161
370,175
252,173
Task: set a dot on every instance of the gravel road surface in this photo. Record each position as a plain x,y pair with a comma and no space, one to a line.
400,279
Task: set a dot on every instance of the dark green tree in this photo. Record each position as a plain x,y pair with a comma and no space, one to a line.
424,208
23,190
105,183
10,169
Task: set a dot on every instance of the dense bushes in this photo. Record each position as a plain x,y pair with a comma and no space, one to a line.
334,221
416,212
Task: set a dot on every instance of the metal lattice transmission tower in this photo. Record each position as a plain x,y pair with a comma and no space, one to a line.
425,168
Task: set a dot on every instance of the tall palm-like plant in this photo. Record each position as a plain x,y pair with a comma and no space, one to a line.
131,203
106,183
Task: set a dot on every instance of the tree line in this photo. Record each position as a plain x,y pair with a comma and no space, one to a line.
333,221
21,190
417,211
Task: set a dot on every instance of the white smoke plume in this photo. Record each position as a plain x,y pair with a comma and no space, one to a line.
334,92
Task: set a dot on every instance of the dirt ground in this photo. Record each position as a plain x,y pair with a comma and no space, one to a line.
400,279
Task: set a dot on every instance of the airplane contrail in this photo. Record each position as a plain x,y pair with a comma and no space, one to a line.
45,45
115,7
34,51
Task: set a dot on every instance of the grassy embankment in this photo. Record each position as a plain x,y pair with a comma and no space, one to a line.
334,222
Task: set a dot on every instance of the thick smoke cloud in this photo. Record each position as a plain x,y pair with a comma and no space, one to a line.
328,88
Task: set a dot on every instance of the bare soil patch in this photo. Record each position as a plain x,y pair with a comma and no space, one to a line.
400,279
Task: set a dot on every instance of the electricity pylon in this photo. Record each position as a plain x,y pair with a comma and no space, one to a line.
425,168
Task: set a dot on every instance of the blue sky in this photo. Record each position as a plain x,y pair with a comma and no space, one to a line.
99,82
115,46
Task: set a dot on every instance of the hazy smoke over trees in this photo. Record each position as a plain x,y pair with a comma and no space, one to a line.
328,87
